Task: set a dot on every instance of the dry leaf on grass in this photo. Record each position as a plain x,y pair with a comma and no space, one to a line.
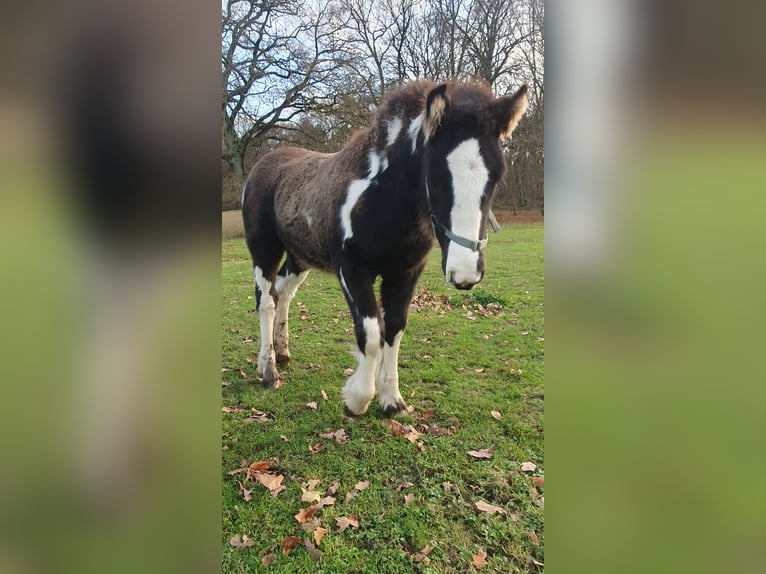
360,486
247,495
311,525
533,538
326,501
496,415
311,549
315,448
343,522
481,453
489,508
408,498
271,481
289,543
268,559
539,481
311,483
403,485
339,435
319,533
528,467
240,543
310,496
479,559
348,372
420,556
306,514
333,488
324,395
312,405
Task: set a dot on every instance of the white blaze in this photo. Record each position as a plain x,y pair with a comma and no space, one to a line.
469,179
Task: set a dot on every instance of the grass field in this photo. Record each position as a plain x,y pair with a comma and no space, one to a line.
462,357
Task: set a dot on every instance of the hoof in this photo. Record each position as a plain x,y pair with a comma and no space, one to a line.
347,411
271,379
395,409
283,358
351,413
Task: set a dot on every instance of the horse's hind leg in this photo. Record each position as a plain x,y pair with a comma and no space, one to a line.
265,264
289,278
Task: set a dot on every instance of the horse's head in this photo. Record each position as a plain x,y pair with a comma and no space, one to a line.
463,163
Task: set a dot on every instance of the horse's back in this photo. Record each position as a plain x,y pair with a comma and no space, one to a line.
290,192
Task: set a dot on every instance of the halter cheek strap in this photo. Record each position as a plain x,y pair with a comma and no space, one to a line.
462,241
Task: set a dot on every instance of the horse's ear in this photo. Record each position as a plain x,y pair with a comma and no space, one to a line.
437,105
509,109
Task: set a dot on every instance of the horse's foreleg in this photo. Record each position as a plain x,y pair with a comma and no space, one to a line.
290,277
266,305
396,294
360,387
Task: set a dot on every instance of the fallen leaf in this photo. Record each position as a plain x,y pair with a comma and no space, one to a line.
324,396
489,508
423,553
231,409
257,416
306,514
315,448
348,372
408,498
536,563
533,538
284,438
403,485
311,484
479,559
311,525
421,448
289,543
482,453
344,522
271,481
333,488
496,415
360,486
312,405
319,533
310,496
541,503
448,486
268,559
339,435
539,481
311,549
244,542
528,467
246,494
260,466
478,371
326,501
242,373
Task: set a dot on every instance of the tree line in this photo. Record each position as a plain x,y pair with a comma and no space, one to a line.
310,73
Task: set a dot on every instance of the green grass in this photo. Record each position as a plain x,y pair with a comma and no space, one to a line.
456,365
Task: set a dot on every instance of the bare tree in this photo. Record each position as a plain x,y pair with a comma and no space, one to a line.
277,60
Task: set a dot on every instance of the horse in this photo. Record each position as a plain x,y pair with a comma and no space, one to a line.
425,169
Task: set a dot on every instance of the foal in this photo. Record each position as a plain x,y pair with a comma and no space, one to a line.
426,168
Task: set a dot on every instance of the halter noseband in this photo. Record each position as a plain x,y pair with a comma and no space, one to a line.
462,241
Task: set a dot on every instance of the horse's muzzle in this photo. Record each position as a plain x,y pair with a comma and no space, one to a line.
462,285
